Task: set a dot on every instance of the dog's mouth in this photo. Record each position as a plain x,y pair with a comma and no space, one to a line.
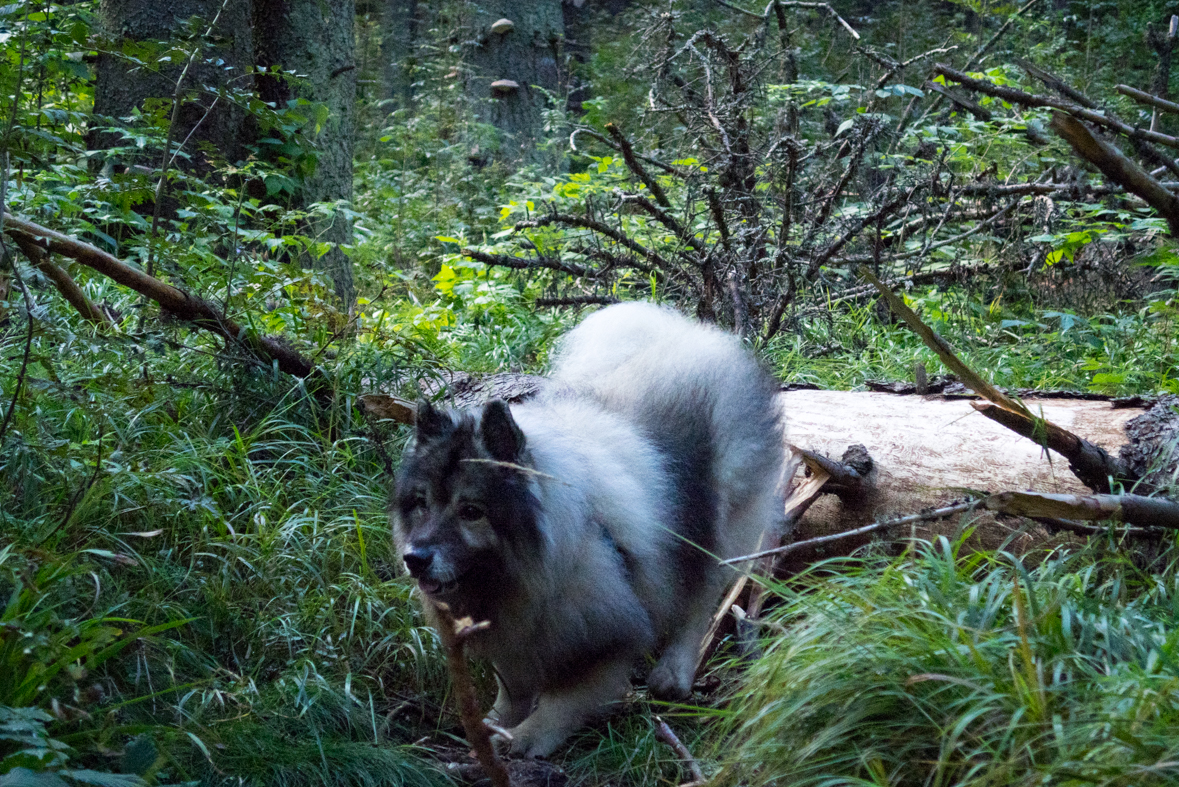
436,589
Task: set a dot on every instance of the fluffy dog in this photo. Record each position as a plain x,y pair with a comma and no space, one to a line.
586,524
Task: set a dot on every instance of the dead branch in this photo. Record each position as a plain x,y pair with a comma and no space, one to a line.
1164,47
1060,86
669,169
1014,96
664,734
179,303
664,218
979,112
847,478
1132,509
943,349
986,47
924,516
859,225
974,59
65,283
1117,167
823,6
628,155
1054,82
454,634
1143,97
576,300
526,263
1052,189
649,261
1090,463
391,408
893,67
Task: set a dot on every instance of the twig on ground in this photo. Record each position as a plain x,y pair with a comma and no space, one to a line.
924,516
1131,509
454,634
665,735
847,477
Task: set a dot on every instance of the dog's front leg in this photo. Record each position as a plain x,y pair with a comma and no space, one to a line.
514,701
559,713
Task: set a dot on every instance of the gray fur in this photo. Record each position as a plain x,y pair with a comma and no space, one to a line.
585,524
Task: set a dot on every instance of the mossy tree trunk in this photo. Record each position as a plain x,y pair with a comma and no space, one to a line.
399,39
315,38
121,87
526,53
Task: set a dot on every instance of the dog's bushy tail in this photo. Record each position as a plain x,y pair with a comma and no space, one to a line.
696,389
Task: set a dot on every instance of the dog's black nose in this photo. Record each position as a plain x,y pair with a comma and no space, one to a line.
418,561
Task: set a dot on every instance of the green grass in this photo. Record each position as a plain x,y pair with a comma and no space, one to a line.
1132,351
948,668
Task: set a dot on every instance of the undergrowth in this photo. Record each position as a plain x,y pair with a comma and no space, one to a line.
944,667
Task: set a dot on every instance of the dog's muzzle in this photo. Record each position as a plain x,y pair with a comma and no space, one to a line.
420,562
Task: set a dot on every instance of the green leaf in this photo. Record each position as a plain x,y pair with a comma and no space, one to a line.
23,777
102,779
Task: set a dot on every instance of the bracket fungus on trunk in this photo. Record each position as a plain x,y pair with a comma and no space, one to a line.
502,88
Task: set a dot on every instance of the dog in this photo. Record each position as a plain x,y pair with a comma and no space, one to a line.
586,525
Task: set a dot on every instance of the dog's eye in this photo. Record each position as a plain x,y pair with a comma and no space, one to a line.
416,500
470,513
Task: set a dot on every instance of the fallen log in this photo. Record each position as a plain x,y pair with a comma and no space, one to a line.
928,449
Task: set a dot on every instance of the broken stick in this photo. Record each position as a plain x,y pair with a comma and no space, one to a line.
454,634
664,734
1094,464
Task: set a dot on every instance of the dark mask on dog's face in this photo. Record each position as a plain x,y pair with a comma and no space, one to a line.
463,508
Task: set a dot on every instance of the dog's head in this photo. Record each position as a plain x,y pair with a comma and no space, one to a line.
463,507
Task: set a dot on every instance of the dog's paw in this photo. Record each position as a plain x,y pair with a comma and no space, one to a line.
667,683
529,739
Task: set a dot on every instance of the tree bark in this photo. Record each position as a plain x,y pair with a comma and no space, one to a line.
316,39
121,87
398,50
525,55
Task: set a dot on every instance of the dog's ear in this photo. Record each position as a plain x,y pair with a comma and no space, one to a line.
501,436
430,421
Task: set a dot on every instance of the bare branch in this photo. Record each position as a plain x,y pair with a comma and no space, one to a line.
176,301
628,155
525,263
1013,96
1117,167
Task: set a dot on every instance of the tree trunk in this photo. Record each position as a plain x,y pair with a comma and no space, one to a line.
315,38
517,58
121,87
399,33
